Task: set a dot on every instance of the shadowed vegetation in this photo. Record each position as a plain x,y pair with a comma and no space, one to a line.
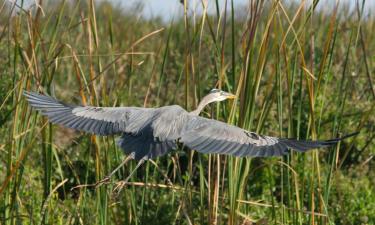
298,71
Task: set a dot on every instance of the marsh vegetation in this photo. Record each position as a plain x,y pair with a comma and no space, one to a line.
298,71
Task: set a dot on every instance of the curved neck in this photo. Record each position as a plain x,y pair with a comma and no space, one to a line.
205,101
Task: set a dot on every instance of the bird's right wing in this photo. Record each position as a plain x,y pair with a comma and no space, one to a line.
97,120
212,136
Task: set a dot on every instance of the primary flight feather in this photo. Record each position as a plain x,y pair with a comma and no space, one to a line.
147,133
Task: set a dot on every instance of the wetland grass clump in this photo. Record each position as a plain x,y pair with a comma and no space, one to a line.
300,72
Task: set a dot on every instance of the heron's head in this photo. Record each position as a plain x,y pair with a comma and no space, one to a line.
217,95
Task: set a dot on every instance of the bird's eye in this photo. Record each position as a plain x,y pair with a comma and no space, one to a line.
223,93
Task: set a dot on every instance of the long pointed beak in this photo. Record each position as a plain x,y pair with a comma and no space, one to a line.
230,95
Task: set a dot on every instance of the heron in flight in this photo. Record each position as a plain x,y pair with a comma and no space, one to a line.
147,133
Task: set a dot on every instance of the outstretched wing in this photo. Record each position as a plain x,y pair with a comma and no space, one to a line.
212,136
97,120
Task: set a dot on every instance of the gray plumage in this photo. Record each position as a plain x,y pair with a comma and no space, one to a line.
151,132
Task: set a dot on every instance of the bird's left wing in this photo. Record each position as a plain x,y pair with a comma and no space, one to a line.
97,120
212,136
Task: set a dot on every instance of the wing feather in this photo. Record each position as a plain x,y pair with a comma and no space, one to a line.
97,120
212,136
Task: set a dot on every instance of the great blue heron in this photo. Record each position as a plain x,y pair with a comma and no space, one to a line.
147,133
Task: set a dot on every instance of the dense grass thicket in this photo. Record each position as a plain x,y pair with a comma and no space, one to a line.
298,72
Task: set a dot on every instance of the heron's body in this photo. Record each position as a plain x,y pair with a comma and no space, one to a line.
151,132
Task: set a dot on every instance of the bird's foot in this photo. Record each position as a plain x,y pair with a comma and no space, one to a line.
119,186
105,180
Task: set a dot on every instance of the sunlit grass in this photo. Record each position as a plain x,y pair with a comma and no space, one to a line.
297,72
